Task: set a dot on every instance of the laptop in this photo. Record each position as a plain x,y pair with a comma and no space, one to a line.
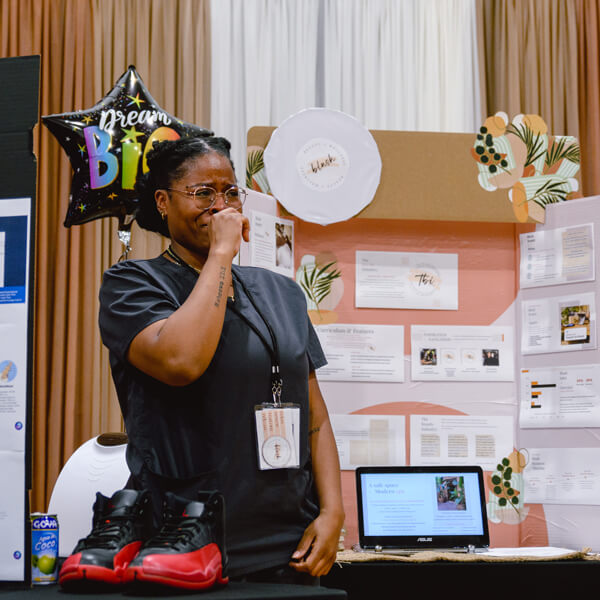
403,510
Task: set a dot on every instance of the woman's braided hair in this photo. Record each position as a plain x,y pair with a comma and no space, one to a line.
166,163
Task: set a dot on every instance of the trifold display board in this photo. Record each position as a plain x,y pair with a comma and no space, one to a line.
430,374
559,371
18,116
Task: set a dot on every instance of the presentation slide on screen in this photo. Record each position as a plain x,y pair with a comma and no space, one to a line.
421,504
557,256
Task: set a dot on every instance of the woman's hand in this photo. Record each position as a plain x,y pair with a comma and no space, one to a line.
164,349
226,229
317,549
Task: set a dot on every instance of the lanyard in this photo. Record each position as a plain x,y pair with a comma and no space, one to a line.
276,379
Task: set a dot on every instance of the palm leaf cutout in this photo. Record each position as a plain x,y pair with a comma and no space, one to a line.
550,193
558,152
254,164
316,281
532,141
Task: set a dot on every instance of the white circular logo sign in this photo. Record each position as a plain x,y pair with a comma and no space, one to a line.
276,451
322,164
425,279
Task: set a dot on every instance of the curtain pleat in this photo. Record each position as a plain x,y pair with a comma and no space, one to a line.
85,45
530,51
589,94
263,66
410,65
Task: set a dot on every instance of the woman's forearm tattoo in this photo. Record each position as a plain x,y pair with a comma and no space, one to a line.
221,285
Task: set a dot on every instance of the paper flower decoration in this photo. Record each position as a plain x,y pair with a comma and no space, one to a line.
537,168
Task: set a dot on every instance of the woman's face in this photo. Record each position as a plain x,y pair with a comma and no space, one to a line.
186,218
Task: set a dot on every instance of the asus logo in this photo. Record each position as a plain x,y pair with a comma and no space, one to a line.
424,539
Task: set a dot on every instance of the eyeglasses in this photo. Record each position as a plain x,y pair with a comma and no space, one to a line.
206,196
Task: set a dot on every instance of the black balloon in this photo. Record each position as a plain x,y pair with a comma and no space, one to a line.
107,146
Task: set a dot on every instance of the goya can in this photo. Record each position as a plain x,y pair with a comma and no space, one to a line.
44,548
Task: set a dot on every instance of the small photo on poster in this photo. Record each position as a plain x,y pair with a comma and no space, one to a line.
450,356
428,356
272,243
284,255
8,371
491,357
574,324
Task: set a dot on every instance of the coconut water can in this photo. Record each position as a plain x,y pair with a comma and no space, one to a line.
44,548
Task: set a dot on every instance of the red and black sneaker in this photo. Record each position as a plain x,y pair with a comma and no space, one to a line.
189,550
120,525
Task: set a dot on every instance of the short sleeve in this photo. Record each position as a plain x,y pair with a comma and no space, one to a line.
316,356
131,299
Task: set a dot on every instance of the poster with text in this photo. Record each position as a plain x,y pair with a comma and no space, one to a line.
460,440
558,324
562,476
15,217
362,352
461,353
272,243
557,256
369,440
560,397
422,280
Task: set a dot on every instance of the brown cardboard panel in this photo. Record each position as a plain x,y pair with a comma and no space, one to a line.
425,176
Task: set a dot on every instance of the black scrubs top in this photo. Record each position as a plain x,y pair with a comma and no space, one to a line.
203,436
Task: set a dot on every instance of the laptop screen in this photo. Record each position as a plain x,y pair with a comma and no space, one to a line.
421,507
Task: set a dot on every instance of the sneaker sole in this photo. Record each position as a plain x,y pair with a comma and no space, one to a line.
210,557
74,572
91,573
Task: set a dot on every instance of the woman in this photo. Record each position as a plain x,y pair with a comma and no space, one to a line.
193,342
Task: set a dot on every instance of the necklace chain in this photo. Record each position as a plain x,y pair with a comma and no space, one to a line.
179,260
183,263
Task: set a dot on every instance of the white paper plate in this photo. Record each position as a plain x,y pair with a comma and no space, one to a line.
322,165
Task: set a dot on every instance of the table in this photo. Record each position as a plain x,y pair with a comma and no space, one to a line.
232,591
442,579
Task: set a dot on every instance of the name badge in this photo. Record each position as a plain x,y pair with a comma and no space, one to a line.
278,436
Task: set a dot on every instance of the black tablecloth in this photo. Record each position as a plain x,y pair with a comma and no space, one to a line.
533,580
232,591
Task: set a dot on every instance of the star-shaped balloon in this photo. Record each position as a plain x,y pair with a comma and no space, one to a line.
107,146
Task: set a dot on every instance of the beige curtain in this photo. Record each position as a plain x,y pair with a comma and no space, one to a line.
529,55
589,94
85,46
